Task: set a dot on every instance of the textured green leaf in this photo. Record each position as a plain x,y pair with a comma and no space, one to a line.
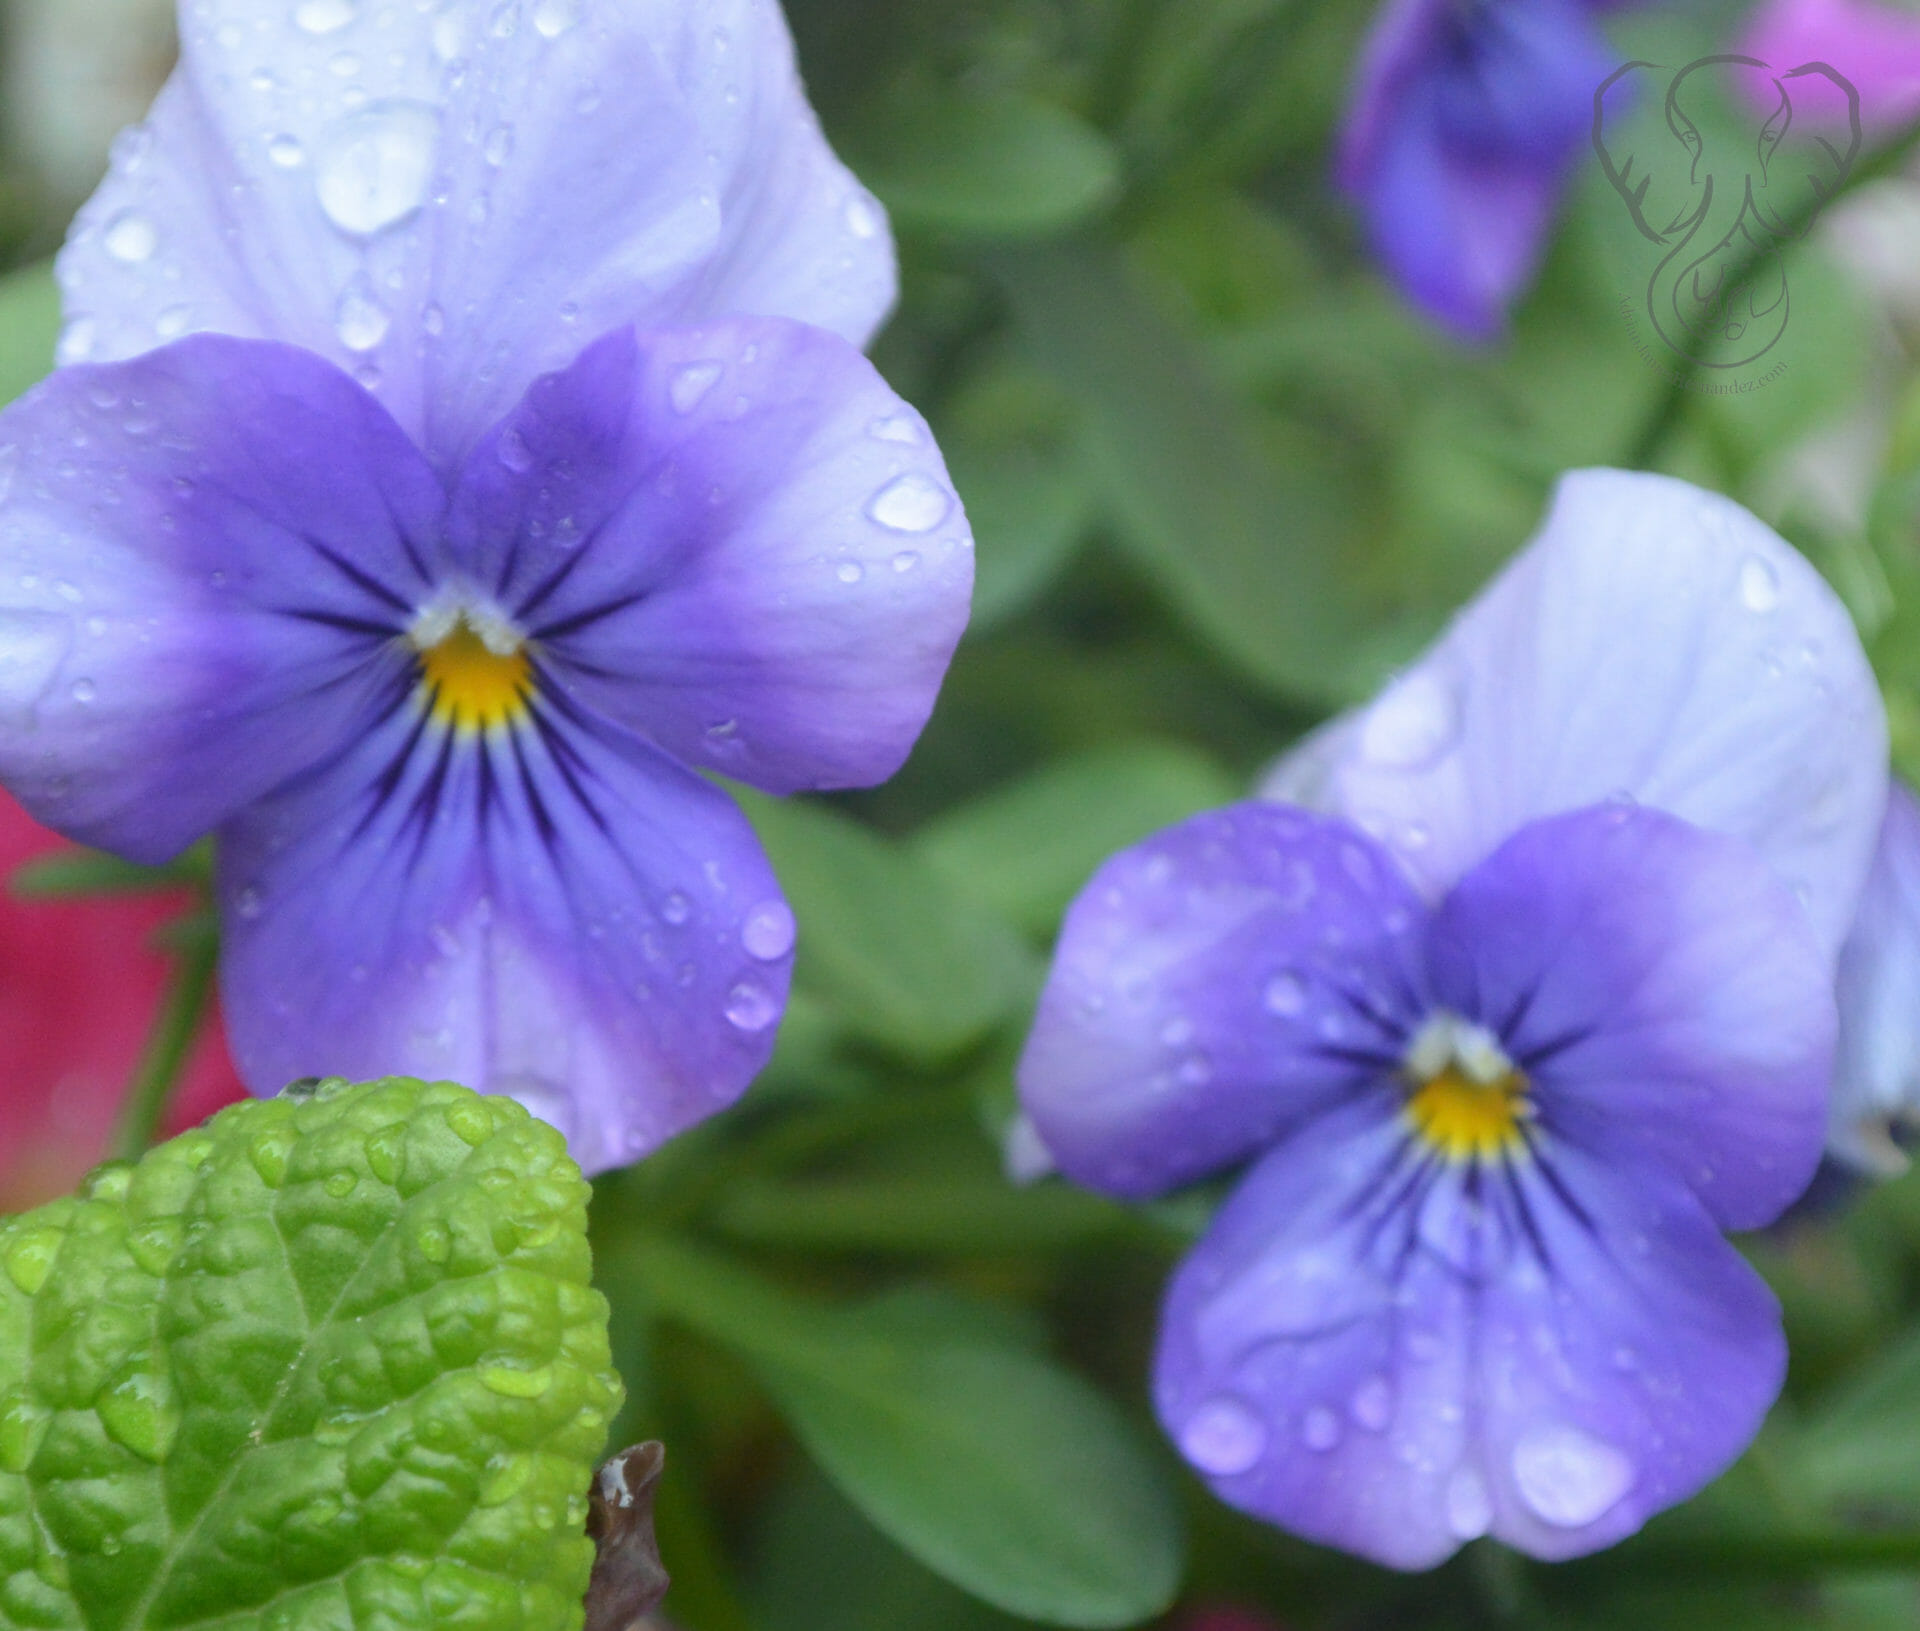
1000,164
1028,849
29,325
903,961
991,1465
330,1360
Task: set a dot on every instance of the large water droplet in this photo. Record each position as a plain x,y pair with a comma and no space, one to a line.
139,1413
1320,1429
1469,1511
373,167
1286,995
1372,1404
1759,584
691,385
130,238
769,930
1567,1476
1223,1437
911,503
751,1006
359,318
325,16
554,17
286,152
1415,721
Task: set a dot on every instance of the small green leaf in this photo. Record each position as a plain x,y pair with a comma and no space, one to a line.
1028,849
330,1359
992,1466
985,165
71,872
29,326
904,962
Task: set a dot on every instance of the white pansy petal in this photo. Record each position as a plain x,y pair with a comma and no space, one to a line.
449,202
1656,643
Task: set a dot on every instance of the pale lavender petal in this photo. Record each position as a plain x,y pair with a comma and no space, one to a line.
452,202
204,556
1214,986
1329,1364
1662,991
1876,1086
735,540
553,911
1654,642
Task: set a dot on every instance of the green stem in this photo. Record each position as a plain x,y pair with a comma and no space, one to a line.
1885,160
182,1007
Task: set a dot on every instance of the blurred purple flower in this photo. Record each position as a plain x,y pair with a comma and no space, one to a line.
437,647
1538,1004
1467,118
1875,47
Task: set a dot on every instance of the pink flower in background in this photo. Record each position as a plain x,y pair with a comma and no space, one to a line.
79,983
1877,47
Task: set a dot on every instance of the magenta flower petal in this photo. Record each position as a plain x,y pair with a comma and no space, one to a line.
194,544
736,541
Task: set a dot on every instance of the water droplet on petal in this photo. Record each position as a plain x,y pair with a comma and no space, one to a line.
849,571
172,323
325,16
1759,584
691,385
863,216
498,147
769,930
434,320
359,318
1177,1032
676,908
1568,1477
751,1006
1415,720
373,167
1320,1429
130,238
905,561
911,503
1469,1511
1285,995
1223,1437
513,452
1372,1404
286,152
248,902
84,691
554,17
895,427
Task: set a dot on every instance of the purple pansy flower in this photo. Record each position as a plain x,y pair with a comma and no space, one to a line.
1533,1005
1467,118
532,469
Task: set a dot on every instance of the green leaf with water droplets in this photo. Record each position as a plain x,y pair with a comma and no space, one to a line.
328,1360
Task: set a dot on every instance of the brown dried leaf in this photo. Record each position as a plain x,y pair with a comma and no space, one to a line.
628,1579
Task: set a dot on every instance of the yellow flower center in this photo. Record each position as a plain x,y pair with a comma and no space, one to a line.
470,685
1468,1100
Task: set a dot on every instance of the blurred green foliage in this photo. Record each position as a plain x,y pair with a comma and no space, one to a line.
1222,482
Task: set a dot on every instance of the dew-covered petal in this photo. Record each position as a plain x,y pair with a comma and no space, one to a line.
1654,642
451,200
203,555
565,916
1328,1365
734,539
1663,992
1876,1079
1213,986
